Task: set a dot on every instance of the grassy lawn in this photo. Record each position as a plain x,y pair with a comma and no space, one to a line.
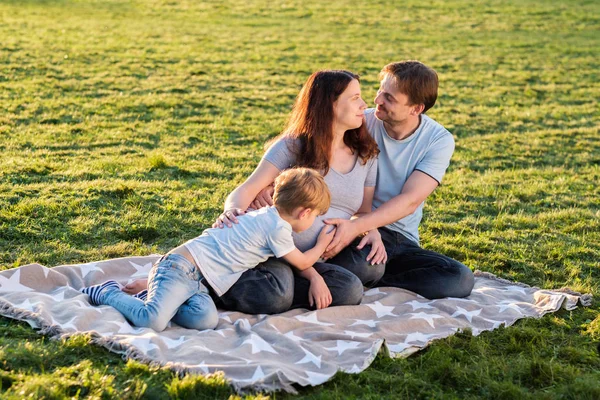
124,124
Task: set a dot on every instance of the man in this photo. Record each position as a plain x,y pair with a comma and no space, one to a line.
415,153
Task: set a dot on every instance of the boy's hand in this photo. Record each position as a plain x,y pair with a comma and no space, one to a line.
319,295
136,286
326,236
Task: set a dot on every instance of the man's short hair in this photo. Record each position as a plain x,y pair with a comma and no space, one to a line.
414,79
301,187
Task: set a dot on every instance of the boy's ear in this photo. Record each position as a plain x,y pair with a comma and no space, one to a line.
304,213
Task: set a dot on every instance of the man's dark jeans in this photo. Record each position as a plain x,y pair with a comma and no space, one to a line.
272,288
425,272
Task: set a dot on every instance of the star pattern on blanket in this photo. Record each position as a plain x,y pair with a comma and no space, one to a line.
203,367
353,370
315,378
368,322
125,327
89,267
309,358
65,325
382,310
514,288
87,306
290,335
467,314
419,305
142,342
59,295
27,305
343,345
272,352
374,291
257,376
259,344
311,318
45,270
399,347
418,337
173,343
225,317
141,271
427,317
13,284
358,334
508,305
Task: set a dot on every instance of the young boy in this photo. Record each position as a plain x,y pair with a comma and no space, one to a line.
178,282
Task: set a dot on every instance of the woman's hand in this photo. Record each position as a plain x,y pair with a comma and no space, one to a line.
319,295
228,217
378,255
264,198
136,286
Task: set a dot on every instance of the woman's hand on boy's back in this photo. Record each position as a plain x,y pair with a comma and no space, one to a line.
228,218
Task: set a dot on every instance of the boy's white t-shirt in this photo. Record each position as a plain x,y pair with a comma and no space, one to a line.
223,255
428,150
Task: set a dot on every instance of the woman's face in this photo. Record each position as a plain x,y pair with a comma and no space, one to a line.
349,108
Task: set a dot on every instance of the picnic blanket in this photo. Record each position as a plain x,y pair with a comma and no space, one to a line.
268,352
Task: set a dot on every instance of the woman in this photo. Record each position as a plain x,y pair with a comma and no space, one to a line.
325,132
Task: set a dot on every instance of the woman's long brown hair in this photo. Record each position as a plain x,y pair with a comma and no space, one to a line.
311,121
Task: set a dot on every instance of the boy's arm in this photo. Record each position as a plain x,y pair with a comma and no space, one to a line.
307,259
318,293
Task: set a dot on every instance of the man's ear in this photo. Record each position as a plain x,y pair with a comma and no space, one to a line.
417,109
304,213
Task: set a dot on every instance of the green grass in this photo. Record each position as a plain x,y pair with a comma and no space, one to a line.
124,124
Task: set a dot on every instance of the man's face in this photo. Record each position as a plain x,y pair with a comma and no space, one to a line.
393,106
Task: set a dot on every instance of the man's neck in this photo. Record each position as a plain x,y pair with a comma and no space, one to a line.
402,130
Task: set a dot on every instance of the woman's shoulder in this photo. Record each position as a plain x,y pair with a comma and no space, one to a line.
282,152
284,143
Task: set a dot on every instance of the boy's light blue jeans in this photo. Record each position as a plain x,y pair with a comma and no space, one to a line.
175,292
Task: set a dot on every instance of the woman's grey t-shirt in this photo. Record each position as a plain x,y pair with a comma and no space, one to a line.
347,190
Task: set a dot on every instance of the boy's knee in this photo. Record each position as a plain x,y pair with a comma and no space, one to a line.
156,324
209,320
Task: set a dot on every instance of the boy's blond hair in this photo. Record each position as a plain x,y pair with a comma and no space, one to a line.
301,187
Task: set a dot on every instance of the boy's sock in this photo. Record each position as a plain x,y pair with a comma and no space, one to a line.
95,292
143,295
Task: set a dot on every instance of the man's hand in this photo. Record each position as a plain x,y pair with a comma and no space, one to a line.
319,295
136,286
264,198
345,233
378,255
228,217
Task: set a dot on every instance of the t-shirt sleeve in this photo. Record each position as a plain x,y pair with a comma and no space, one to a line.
280,154
280,240
371,179
437,158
